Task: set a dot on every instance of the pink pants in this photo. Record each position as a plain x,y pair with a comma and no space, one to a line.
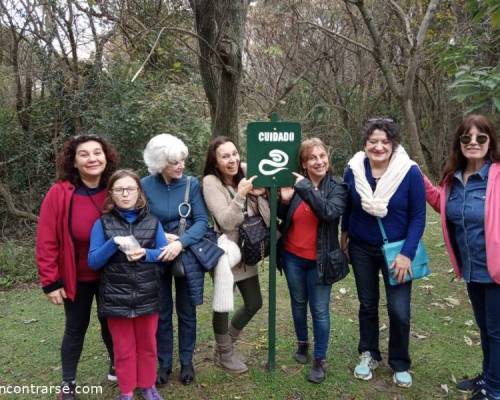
134,343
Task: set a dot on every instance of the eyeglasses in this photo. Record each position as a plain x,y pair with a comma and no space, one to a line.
481,138
121,190
387,120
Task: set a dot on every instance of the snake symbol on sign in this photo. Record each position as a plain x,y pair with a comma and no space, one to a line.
278,160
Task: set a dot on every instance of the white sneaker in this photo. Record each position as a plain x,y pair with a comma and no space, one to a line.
365,367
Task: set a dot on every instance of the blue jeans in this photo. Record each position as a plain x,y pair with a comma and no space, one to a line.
302,276
485,300
186,317
367,261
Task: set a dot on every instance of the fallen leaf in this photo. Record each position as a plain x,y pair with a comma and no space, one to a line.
468,341
469,322
342,290
30,321
452,301
383,327
453,379
444,386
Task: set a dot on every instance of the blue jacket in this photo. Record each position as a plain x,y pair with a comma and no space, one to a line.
163,200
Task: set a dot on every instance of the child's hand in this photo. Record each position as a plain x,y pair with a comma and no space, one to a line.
136,255
170,251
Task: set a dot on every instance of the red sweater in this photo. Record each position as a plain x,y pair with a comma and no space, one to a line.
55,251
302,235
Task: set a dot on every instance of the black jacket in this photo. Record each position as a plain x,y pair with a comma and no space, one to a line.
328,203
130,289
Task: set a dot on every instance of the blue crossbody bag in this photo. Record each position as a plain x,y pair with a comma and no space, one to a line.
419,265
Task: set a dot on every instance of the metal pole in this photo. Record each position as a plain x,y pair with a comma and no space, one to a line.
271,359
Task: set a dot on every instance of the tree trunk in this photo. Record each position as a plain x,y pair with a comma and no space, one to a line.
412,133
221,27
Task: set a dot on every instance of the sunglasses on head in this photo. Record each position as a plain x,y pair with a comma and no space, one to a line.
481,138
381,120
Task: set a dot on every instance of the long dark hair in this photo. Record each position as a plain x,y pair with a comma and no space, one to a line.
65,163
211,162
456,159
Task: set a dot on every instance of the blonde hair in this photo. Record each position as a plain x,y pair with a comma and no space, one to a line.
109,203
305,149
162,149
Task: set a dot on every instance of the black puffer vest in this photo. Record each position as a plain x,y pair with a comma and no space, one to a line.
130,289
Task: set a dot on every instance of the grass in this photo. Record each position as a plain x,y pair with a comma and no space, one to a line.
444,345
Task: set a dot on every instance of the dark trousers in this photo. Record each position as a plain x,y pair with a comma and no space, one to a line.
485,300
252,302
77,321
367,261
186,318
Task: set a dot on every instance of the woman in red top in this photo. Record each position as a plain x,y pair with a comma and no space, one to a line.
67,215
310,253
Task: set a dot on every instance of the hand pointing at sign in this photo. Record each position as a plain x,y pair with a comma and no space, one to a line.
245,186
298,177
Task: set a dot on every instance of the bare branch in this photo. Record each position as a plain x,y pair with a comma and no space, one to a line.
11,208
336,34
405,20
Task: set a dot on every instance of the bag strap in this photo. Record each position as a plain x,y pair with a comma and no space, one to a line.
381,226
185,203
245,212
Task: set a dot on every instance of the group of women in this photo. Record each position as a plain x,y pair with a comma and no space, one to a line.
382,188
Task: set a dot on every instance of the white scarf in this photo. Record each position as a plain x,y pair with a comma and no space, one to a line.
223,300
375,203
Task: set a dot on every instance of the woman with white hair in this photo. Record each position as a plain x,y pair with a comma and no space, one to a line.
165,190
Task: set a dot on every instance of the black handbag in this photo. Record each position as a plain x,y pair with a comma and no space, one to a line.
254,240
254,237
177,268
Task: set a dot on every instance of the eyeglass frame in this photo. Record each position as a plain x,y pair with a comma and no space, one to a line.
120,191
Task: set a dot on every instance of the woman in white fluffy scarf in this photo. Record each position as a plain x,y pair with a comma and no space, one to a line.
384,184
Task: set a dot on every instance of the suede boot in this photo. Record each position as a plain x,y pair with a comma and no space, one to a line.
235,335
224,356
318,371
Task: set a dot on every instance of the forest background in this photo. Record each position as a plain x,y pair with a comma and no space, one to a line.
131,69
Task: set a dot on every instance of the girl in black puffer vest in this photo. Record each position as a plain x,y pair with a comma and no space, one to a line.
126,243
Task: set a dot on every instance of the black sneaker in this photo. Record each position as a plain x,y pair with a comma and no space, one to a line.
163,376
67,391
112,374
468,385
187,374
301,355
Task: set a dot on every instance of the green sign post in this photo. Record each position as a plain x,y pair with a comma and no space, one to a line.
272,155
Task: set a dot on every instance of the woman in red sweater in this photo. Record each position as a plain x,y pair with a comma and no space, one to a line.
67,215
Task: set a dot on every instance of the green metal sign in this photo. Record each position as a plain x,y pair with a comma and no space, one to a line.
272,155
272,152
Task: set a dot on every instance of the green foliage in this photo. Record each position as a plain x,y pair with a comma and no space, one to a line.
16,263
480,87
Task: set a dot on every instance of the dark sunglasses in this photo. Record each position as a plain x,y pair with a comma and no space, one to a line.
482,138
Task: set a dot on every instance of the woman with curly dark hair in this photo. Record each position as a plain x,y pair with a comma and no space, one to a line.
67,215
